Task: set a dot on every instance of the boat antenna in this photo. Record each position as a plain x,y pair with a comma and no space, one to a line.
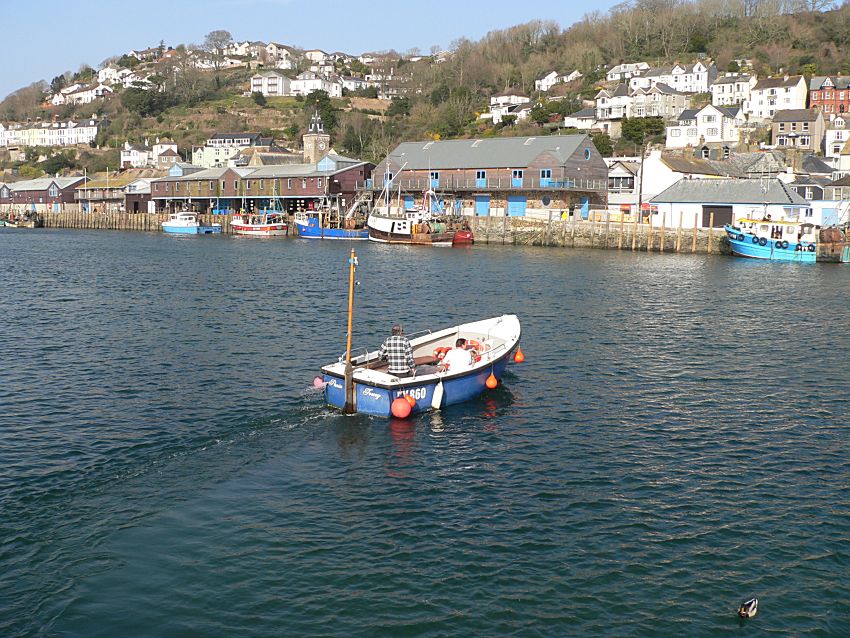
348,408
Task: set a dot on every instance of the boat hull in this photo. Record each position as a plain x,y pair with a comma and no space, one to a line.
191,230
260,230
313,231
744,244
377,401
424,239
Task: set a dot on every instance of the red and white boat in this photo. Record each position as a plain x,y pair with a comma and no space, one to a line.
265,224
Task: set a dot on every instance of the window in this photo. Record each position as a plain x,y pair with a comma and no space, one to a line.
166,187
516,174
262,184
805,126
675,132
176,188
222,185
248,184
319,182
155,187
480,174
709,119
782,126
587,154
712,131
705,153
303,182
545,173
289,183
212,188
692,132
235,184
793,126
435,175
53,191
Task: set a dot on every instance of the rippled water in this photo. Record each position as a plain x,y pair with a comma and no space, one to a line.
675,442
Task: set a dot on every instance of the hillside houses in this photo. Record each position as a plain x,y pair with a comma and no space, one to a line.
58,133
830,94
81,94
658,100
710,125
732,88
271,84
770,95
695,78
799,128
552,78
623,72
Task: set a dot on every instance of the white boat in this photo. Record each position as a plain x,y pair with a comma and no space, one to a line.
419,225
187,224
264,224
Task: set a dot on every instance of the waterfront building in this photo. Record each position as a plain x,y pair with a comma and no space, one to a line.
41,195
729,200
291,187
516,176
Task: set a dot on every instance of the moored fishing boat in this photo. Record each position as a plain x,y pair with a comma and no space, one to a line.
418,225
186,223
263,224
326,222
774,240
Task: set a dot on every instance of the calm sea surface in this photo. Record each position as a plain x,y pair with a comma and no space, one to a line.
676,441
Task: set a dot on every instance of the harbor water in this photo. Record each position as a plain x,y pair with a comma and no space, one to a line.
675,442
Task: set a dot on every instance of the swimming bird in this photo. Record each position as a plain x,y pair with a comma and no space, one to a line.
749,608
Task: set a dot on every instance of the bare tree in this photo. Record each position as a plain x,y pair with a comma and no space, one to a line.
216,43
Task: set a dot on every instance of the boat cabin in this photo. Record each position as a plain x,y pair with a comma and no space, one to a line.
791,231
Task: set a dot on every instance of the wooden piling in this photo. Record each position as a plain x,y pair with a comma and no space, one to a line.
679,235
620,235
694,241
634,232
663,231
547,240
710,231
607,226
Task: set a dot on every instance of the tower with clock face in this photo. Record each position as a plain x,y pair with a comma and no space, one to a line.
316,141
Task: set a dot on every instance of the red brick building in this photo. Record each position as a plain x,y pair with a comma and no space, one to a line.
44,194
831,94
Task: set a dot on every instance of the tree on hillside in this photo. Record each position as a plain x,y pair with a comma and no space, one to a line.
24,103
215,43
58,83
603,144
320,100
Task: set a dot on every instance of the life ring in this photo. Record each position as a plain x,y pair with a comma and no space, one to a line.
740,237
763,241
441,352
784,244
755,239
798,248
811,248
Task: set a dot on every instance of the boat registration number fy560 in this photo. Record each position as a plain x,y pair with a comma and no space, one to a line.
416,393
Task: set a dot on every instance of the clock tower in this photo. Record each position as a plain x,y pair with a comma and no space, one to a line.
316,141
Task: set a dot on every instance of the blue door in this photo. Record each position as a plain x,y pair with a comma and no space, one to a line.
408,202
480,179
516,178
482,205
545,177
516,205
585,207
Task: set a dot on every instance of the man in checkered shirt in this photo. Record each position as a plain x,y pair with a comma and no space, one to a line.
399,353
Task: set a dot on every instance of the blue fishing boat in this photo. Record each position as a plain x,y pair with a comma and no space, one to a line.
364,384
774,240
312,225
187,224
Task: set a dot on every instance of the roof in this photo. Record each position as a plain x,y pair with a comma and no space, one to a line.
844,181
234,136
691,166
43,183
584,113
732,79
169,152
729,191
493,152
113,182
775,83
838,81
796,115
814,165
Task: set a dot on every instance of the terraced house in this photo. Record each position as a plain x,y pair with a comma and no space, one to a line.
514,176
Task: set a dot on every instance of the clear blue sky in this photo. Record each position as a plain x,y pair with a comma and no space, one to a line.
41,40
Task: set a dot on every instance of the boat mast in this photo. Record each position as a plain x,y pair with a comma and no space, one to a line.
348,408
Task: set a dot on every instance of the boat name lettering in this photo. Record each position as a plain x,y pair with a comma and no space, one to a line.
335,384
369,392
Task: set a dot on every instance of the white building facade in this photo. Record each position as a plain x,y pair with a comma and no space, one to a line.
732,89
770,95
708,125
271,84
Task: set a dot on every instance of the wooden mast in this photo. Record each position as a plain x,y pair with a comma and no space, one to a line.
349,407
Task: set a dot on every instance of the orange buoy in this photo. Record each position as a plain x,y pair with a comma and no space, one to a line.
401,408
492,381
410,400
519,357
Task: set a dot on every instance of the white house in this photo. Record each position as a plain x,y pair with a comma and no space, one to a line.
280,55
270,84
694,78
623,72
316,55
351,83
708,125
583,120
141,155
837,135
732,88
614,104
770,95
726,201
552,78
507,103
221,147
68,133
309,81
659,100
